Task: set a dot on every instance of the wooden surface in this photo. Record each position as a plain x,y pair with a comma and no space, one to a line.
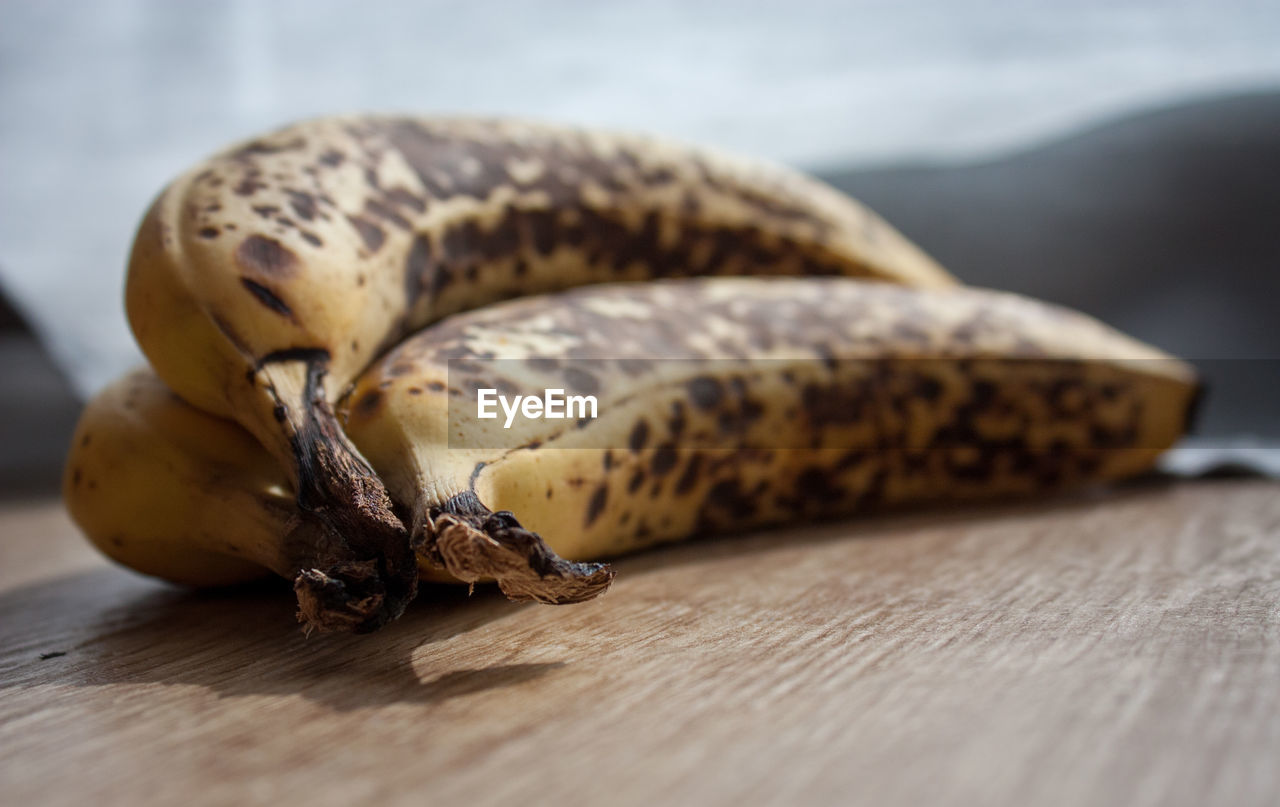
1104,649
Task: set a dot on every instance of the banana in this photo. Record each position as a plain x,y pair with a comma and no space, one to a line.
266,278
721,405
173,492
734,403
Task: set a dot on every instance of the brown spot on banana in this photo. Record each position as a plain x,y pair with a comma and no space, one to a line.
303,204
267,297
370,233
266,257
639,435
411,220
598,500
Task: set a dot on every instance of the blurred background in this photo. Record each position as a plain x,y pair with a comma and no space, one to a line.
1121,158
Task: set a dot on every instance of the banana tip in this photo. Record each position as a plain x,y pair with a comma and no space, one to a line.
345,598
472,543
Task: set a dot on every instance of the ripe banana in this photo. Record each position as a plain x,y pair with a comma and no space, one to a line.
732,403
722,404
176,493
266,278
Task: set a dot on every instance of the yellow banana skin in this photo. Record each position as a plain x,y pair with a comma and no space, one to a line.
173,492
736,403
791,399
266,278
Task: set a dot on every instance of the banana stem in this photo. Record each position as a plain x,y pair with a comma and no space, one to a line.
358,572
472,543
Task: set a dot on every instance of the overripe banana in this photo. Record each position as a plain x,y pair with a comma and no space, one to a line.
174,492
737,402
721,404
266,278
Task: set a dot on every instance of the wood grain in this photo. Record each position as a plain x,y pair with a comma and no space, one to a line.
1110,648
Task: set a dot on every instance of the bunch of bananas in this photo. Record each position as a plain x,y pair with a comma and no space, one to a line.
302,413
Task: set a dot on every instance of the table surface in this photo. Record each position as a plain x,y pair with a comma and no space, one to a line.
1104,648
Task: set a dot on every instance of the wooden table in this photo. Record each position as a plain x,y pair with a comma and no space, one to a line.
1120,648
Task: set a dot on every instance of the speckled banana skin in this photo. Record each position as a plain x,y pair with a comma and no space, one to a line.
791,399
724,404
265,279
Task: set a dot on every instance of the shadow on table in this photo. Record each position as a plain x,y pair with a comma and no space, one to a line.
108,627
